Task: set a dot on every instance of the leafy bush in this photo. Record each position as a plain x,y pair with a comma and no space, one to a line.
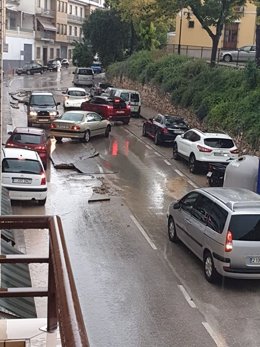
226,99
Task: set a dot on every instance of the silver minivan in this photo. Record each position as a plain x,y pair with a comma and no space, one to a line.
83,76
221,226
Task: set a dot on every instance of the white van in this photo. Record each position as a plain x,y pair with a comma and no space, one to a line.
83,76
131,97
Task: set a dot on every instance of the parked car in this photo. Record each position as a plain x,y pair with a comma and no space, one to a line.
74,97
200,148
241,54
216,173
164,128
221,226
80,125
131,97
100,88
23,175
41,108
31,138
52,65
65,63
114,109
83,76
30,69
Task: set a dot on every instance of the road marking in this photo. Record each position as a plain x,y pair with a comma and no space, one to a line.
167,162
100,169
178,172
219,340
158,154
149,147
143,232
186,296
192,184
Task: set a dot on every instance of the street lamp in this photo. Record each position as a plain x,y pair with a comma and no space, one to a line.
187,14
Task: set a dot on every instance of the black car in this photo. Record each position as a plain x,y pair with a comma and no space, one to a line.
52,65
164,128
30,69
216,173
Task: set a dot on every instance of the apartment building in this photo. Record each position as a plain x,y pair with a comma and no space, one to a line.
41,30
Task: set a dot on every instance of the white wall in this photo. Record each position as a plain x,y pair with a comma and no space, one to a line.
27,6
15,46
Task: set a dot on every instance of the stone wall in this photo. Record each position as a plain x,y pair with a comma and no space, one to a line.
161,102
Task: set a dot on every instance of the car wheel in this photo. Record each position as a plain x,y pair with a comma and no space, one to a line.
58,139
210,271
87,136
227,58
144,130
193,164
157,138
175,153
172,233
31,72
42,202
108,129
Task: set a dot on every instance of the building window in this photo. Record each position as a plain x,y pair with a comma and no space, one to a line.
81,12
75,31
38,53
80,32
51,53
76,10
70,53
58,6
70,30
70,9
12,20
39,3
45,5
65,7
62,6
191,24
57,53
58,28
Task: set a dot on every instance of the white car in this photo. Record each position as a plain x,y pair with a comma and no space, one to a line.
74,97
200,148
23,175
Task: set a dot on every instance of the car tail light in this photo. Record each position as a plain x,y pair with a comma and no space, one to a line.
229,242
53,126
43,179
235,151
75,127
204,149
128,106
40,148
9,144
165,131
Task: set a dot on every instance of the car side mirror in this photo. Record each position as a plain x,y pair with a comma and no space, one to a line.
177,206
58,103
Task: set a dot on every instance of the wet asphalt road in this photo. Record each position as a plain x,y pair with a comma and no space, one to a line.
135,287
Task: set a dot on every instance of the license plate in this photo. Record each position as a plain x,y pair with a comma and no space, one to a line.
63,127
209,174
254,260
120,112
22,180
178,132
43,120
220,154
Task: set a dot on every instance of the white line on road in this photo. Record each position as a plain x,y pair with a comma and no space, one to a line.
149,147
178,172
219,340
100,169
186,296
143,232
167,162
158,154
192,184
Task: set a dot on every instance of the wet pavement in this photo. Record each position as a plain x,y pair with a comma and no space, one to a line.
135,287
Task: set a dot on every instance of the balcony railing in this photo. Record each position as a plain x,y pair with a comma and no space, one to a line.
76,19
71,39
45,35
63,302
45,12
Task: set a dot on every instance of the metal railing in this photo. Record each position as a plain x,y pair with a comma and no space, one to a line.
63,307
74,18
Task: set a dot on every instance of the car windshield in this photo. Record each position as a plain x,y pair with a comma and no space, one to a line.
85,72
26,138
21,166
76,93
76,117
245,227
170,121
219,143
42,100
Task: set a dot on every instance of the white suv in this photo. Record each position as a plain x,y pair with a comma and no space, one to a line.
200,148
23,175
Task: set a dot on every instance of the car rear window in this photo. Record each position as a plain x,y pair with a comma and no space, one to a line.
245,227
85,72
169,120
219,143
42,100
135,97
76,93
125,96
76,117
117,102
21,166
26,139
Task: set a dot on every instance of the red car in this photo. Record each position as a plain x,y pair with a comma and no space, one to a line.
31,138
112,108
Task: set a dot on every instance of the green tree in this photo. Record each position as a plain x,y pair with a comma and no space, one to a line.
82,53
108,34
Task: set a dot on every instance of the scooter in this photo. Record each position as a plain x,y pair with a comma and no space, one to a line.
216,173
